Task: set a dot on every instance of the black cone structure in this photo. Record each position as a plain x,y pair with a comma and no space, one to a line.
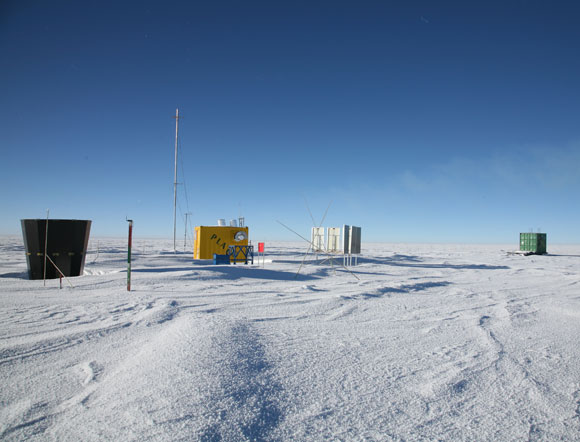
67,246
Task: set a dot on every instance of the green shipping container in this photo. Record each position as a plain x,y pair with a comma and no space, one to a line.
533,242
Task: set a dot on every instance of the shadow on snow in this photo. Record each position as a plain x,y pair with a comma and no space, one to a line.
406,288
416,262
234,272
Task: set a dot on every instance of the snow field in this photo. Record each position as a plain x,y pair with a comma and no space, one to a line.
451,342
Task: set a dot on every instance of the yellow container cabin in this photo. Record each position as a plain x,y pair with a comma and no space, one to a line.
217,239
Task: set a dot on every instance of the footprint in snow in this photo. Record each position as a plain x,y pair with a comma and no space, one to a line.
92,372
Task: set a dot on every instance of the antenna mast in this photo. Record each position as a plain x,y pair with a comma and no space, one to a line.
175,181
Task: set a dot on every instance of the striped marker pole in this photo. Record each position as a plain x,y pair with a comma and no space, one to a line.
130,221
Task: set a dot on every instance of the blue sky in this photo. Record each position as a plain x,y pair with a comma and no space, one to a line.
418,121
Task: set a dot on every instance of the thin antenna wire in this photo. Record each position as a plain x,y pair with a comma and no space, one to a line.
309,211
61,274
296,233
179,209
175,181
326,250
183,176
312,245
45,246
176,203
303,260
325,213
309,245
185,234
95,260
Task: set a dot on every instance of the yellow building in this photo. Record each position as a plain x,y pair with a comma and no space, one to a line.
217,239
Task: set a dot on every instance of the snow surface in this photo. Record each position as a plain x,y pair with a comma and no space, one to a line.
452,342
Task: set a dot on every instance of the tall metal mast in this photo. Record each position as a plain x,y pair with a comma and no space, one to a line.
175,182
